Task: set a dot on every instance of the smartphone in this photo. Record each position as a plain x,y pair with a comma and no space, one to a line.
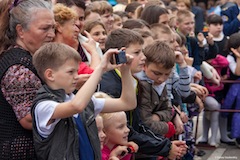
121,57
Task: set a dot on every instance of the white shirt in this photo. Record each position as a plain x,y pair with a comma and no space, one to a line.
45,109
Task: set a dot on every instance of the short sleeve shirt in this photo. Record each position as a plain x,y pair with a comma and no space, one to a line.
45,109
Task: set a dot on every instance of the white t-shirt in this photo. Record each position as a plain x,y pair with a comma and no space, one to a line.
45,109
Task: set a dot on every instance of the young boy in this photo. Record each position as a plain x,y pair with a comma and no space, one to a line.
185,25
155,108
63,123
149,143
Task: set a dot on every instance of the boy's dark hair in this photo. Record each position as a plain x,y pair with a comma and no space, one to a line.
53,55
214,19
123,38
160,53
233,41
135,23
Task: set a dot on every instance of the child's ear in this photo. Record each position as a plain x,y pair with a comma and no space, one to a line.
49,75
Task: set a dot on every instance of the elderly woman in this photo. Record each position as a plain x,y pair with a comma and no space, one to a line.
27,25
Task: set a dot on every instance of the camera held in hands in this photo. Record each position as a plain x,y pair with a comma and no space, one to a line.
121,57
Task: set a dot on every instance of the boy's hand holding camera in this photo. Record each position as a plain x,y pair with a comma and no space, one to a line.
106,64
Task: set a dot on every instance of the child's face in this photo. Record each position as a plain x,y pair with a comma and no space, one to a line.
108,19
182,6
186,26
157,72
66,76
117,24
101,134
117,132
215,29
99,34
139,58
164,19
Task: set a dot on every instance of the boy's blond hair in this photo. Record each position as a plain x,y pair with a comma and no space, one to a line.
182,14
53,55
160,53
63,13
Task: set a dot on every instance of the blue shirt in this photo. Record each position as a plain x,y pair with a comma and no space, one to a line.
85,148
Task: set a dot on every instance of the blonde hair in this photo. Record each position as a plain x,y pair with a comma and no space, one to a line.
181,14
107,118
63,13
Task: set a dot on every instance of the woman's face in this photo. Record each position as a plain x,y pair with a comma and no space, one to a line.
40,30
99,34
69,32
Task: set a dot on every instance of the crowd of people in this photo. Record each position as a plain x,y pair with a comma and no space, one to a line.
111,80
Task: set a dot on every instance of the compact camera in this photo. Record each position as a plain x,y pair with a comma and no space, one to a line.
121,57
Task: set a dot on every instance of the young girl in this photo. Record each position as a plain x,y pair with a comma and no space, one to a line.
97,31
116,143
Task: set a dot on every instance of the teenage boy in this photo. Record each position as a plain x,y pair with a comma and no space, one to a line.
149,143
63,123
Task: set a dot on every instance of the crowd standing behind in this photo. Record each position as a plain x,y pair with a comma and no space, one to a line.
178,55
